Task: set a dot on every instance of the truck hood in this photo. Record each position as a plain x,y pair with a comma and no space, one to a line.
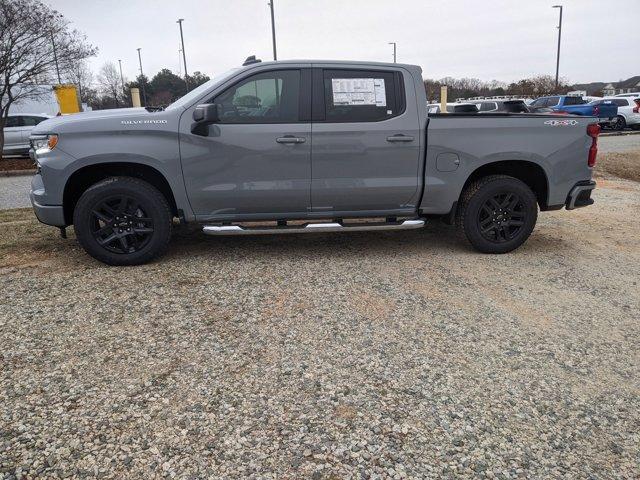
68,122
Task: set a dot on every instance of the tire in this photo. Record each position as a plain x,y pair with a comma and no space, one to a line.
496,214
123,221
619,123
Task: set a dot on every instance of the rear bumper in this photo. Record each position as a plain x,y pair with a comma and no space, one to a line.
580,195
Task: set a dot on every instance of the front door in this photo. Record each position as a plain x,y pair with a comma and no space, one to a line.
256,161
366,142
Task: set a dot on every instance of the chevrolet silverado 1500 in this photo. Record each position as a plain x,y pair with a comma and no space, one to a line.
305,146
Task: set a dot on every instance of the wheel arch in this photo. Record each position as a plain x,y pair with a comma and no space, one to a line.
84,177
532,174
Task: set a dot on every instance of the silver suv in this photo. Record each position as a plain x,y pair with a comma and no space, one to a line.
17,131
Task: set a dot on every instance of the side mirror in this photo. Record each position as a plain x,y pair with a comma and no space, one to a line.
203,116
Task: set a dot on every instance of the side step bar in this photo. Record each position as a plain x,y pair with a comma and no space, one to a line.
312,227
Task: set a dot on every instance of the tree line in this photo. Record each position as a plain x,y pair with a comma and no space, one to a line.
108,89
537,86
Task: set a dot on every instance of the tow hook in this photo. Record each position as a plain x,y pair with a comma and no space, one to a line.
63,232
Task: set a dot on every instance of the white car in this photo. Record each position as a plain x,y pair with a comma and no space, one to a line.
630,94
17,130
628,112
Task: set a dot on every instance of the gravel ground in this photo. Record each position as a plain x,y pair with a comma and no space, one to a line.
363,355
14,192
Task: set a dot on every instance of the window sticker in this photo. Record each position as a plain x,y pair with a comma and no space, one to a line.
359,91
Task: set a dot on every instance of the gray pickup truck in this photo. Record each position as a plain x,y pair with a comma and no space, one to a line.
305,146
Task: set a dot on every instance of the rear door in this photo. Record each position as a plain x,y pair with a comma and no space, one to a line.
366,142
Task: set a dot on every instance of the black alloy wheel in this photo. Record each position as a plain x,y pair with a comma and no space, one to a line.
497,213
123,221
502,217
120,225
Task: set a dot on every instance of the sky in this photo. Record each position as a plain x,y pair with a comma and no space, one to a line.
487,39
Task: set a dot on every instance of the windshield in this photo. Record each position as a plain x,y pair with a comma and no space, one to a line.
182,102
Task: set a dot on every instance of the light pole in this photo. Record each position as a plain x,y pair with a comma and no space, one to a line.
184,57
394,51
559,37
273,30
144,93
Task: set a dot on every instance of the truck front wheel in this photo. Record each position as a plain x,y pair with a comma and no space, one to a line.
123,221
497,213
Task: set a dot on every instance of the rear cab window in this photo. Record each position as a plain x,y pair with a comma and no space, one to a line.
353,95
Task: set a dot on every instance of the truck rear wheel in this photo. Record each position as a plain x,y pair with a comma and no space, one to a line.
497,213
123,221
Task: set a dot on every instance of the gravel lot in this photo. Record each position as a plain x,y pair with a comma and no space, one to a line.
14,192
393,355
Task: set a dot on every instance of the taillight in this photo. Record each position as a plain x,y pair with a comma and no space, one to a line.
593,131
596,111
636,109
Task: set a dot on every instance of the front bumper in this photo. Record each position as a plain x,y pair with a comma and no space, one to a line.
49,214
580,195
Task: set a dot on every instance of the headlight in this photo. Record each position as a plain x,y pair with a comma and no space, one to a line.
43,143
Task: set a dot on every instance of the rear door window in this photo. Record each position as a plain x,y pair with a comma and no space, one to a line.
552,101
362,95
621,102
32,121
574,101
488,106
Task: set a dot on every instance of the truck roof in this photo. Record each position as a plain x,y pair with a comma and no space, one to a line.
336,62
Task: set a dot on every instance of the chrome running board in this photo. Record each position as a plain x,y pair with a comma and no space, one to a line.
312,227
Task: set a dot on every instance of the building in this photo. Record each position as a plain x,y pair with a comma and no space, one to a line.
626,86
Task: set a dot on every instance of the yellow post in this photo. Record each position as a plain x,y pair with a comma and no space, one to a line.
67,97
135,97
443,99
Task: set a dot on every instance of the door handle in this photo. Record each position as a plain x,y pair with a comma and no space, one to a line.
290,139
400,138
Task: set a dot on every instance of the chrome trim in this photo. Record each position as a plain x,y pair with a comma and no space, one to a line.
311,227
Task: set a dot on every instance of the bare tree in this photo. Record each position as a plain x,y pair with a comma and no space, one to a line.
79,74
29,29
109,81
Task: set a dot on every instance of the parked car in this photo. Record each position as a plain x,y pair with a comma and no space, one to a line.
628,115
631,94
453,108
122,176
17,130
574,105
510,106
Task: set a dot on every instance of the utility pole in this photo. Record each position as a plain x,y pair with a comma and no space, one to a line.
55,57
559,37
144,93
273,30
184,57
394,51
